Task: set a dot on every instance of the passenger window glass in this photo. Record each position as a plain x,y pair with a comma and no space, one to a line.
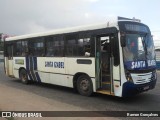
24,48
77,46
37,48
71,45
55,46
18,48
84,47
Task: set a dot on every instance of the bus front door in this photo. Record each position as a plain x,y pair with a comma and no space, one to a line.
9,60
104,65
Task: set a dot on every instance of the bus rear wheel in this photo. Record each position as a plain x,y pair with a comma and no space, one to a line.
24,76
84,85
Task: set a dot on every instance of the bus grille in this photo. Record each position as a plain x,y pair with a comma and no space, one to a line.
141,78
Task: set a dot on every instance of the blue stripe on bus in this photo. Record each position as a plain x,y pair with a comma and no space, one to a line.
35,68
35,63
38,77
27,68
27,64
31,66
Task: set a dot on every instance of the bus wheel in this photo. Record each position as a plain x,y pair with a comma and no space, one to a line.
24,76
84,85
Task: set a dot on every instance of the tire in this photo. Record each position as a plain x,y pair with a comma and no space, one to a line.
24,76
84,85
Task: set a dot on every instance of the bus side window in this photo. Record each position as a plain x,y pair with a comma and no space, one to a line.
71,45
18,48
49,49
39,49
58,46
78,45
49,46
36,47
84,48
9,51
87,47
54,46
24,48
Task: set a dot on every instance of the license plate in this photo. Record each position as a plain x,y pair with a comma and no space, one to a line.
146,88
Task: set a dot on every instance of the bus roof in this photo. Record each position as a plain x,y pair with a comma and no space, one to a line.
60,31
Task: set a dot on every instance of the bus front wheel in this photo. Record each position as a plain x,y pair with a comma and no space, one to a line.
84,85
24,76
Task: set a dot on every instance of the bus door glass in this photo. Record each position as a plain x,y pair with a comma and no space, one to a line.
9,59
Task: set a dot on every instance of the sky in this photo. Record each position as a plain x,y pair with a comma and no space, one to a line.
19,17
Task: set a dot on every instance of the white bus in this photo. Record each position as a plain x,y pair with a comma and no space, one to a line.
115,58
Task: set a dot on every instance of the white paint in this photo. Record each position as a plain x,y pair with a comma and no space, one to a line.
10,67
138,64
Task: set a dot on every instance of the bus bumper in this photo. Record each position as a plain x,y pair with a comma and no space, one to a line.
130,89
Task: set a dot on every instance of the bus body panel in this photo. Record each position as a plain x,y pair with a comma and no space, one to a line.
78,65
19,62
119,90
55,79
53,70
82,66
10,65
117,81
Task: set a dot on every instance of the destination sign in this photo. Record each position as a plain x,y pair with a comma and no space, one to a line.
137,28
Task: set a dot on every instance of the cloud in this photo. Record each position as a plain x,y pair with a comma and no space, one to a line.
28,16
32,27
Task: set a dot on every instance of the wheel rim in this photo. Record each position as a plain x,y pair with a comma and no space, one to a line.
84,85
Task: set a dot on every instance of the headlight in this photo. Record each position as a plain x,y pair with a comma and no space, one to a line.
128,76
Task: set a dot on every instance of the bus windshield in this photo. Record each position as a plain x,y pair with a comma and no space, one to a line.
138,52
138,47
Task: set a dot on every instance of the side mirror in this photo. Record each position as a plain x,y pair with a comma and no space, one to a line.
123,41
